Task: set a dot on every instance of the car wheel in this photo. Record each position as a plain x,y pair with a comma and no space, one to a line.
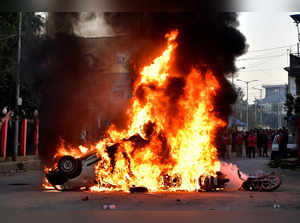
69,166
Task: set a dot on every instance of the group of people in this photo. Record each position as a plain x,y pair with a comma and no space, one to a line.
256,142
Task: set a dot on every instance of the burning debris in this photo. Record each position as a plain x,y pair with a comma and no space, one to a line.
210,183
177,107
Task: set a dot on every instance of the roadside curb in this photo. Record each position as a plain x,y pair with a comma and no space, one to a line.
20,166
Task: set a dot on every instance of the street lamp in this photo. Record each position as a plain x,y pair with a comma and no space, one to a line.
247,113
238,69
296,19
18,99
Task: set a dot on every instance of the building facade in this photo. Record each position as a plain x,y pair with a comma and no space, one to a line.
272,106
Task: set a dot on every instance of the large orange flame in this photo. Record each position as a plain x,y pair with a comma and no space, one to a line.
173,138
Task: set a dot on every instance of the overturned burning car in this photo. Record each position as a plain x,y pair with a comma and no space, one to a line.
73,174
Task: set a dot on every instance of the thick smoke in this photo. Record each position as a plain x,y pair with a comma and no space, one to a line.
74,91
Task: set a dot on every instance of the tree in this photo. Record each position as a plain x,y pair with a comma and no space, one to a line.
32,26
289,105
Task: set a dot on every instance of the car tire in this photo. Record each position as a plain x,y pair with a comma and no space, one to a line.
69,166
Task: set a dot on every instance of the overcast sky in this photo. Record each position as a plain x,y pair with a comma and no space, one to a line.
264,32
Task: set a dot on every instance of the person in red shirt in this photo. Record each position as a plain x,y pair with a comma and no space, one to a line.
240,141
251,144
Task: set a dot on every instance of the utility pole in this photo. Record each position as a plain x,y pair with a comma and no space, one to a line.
297,24
238,69
247,112
261,112
18,101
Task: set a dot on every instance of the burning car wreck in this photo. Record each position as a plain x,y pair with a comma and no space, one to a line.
76,174
165,137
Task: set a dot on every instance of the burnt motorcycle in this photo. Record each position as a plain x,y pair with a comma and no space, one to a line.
260,182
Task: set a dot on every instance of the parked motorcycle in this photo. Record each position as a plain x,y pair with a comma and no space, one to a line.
263,182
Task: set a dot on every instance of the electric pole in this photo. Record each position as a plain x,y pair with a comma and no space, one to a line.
261,111
18,101
247,112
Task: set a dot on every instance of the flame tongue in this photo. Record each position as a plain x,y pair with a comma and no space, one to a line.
174,123
168,142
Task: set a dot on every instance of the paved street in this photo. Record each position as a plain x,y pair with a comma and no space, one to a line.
21,197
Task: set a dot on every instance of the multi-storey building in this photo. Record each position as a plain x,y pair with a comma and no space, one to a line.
272,106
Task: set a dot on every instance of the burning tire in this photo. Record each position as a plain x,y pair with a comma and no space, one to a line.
69,166
171,181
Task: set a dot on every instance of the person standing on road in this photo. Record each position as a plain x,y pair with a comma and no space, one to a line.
270,140
246,144
239,146
265,143
228,142
251,144
284,142
276,146
259,142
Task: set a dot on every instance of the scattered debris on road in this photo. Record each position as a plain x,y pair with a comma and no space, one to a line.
135,189
85,198
109,206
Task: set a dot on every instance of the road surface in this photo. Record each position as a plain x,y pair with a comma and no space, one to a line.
21,199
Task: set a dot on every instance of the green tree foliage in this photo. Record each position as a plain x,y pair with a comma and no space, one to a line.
32,27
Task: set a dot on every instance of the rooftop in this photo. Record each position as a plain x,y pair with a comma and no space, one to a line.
274,86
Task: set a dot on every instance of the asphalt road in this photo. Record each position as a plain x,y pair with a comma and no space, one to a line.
21,199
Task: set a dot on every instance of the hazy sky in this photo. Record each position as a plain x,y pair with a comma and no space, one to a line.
264,32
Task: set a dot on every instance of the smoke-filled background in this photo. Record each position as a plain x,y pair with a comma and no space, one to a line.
90,60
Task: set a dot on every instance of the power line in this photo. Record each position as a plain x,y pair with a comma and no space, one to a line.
259,58
274,48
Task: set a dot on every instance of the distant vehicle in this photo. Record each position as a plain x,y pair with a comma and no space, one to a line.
291,148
